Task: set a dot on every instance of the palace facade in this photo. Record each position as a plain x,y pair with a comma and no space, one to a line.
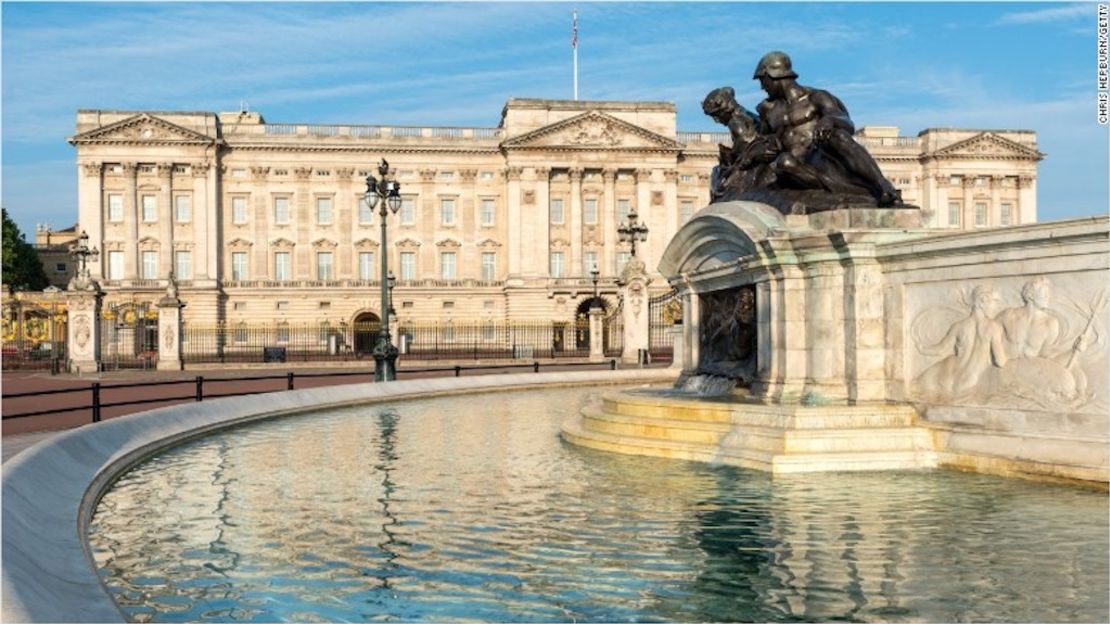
262,222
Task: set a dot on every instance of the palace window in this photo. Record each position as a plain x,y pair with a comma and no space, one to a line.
241,332
59,267
150,208
622,259
624,206
323,210
954,210
487,175
589,212
687,210
556,264
408,211
685,178
282,334
115,207
283,266
115,265
239,265
447,265
589,261
980,214
489,208
366,265
1006,215
281,210
489,266
408,266
181,209
183,264
150,264
447,211
238,210
324,266
556,210
365,213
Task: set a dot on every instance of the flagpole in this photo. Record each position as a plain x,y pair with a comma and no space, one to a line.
574,47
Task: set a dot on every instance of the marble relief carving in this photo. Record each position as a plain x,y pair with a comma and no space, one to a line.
728,334
1035,354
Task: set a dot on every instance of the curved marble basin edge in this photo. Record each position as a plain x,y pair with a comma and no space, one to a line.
51,490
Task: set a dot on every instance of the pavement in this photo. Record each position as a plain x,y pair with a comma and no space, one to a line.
21,433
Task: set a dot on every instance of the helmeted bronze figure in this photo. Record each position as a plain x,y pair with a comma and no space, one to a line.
798,153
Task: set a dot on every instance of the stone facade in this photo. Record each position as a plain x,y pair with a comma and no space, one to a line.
262,222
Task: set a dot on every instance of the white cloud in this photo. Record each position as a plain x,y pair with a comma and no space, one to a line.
1055,14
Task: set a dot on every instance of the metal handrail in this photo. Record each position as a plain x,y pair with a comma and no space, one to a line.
97,405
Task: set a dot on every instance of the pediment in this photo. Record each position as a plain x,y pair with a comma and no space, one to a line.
239,242
448,242
326,243
408,242
988,145
282,242
366,242
488,242
592,130
143,128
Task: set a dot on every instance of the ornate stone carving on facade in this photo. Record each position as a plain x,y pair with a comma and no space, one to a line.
279,243
542,173
259,173
575,174
595,132
365,243
92,169
427,175
200,169
670,175
407,243
1029,355
324,243
302,174
164,169
1025,181
514,173
643,176
82,332
657,198
129,169
608,175
529,196
169,336
448,243
468,175
488,243
239,243
344,174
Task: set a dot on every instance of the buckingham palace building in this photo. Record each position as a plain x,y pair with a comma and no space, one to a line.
261,222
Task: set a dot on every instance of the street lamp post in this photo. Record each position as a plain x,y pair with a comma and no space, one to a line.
597,301
82,253
632,231
387,193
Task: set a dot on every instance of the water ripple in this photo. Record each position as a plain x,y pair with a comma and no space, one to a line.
472,509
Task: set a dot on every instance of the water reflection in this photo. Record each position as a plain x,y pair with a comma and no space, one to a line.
471,508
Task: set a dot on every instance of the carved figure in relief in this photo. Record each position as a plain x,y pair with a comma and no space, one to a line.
1025,355
969,348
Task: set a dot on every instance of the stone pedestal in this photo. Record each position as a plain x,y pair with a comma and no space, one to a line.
634,293
597,334
83,302
677,332
169,333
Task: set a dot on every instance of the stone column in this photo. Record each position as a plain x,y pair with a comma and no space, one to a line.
542,231
691,321
344,214
303,220
669,223
468,266
938,198
1026,208
513,218
968,216
92,212
597,334
575,220
83,303
427,263
634,293
169,330
994,211
609,223
208,226
166,218
644,209
131,213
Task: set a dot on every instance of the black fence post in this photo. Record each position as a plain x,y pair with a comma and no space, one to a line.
458,371
535,367
612,365
289,386
200,388
96,401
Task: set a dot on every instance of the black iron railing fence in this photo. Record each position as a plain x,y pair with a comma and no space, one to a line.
200,388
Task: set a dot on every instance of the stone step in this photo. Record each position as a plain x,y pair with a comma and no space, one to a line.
769,439
760,415
858,460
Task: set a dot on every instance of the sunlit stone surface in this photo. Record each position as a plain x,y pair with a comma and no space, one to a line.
471,508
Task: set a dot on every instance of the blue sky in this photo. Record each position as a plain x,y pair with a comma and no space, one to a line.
982,65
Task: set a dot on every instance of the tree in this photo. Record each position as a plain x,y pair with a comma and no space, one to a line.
22,269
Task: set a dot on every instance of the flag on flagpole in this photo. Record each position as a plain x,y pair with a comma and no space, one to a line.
574,32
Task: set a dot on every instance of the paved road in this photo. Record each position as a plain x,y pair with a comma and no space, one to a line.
21,433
